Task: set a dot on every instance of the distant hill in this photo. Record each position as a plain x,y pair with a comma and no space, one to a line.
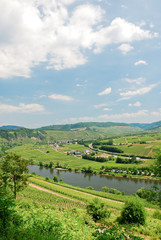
83,125
79,131
22,134
147,126
10,127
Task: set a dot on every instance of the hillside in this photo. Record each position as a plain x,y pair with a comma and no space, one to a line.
10,127
77,131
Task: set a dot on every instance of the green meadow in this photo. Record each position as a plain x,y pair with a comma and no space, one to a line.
46,154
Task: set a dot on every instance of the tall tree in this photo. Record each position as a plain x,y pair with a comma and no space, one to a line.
14,172
158,165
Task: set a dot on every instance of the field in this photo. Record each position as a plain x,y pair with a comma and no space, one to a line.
47,154
142,145
32,196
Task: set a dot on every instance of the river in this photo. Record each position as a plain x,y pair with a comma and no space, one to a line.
127,185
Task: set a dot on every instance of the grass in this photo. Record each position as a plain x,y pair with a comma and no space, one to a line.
47,154
82,194
34,195
42,200
74,192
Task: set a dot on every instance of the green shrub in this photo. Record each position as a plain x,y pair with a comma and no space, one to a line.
90,188
55,179
105,189
157,215
97,209
47,178
133,212
114,233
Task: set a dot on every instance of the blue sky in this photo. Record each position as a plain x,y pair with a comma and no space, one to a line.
73,61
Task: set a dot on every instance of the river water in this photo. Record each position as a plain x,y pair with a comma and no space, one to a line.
127,185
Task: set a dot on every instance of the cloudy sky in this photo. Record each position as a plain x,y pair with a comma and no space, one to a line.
68,61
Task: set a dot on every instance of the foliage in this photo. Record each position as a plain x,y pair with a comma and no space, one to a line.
105,189
92,158
47,178
55,179
87,170
111,149
151,195
14,169
157,214
114,233
127,160
158,165
133,212
7,211
97,209
90,188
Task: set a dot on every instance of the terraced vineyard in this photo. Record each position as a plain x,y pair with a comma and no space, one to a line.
47,197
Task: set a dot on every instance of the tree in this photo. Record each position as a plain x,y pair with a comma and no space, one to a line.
97,209
133,212
14,172
7,205
158,165
55,179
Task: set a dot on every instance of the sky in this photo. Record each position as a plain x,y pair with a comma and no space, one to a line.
68,61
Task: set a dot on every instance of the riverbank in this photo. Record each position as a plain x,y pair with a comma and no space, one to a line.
96,181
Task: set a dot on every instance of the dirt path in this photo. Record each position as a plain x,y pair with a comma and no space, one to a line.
59,195
106,199
56,194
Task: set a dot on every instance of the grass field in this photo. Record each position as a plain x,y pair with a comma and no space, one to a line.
150,231
47,154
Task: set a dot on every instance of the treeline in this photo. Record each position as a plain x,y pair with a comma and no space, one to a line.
127,160
111,149
93,158
106,146
151,195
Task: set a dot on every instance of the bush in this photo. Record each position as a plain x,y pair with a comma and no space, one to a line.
133,212
55,179
105,189
90,188
157,214
97,209
47,179
7,210
114,233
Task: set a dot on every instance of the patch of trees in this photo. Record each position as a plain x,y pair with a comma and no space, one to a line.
127,160
13,172
146,171
151,195
87,170
111,149
92,158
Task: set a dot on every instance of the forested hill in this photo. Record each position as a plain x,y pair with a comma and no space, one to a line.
22,134
83,125
82,130
91,125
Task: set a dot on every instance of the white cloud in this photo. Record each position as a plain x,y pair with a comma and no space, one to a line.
42,96
137,104
105,92
21,108
139,91
100,105
137,81
107,109
61,97
140,62
125,48
44,31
